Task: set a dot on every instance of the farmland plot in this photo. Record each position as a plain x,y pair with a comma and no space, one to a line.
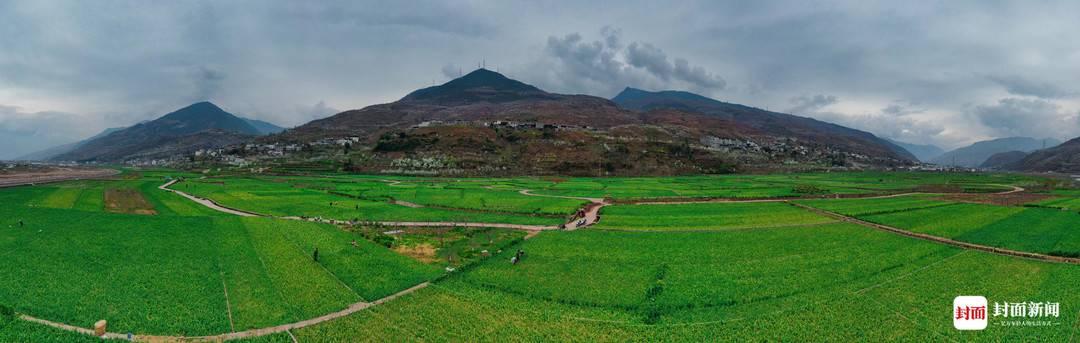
811,283
1040,230
706,216
863,207
279,199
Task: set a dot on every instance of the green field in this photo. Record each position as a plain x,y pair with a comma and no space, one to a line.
269,197
706,216
864,207
789,284
167,274
743,271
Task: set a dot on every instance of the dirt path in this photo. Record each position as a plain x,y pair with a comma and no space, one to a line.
233,335
206,202
213,205
943,240
590,213
431,224
54,175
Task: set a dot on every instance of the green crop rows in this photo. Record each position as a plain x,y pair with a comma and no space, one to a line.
721,270
833,282
706,216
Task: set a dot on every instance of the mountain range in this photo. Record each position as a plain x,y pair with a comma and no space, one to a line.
974,155
1064,158
485,122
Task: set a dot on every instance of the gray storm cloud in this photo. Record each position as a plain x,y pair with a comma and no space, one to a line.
1017,85
118,63
605,65
810,104
1027,117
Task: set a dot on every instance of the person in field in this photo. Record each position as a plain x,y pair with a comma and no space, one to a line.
315,255
21,224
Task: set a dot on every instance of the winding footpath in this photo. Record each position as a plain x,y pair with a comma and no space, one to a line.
215,206
591,212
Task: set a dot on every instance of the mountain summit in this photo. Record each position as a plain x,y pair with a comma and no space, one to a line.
198,126
200,116
479,85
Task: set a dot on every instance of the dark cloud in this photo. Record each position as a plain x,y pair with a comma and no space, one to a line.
1017,85
120,62
606,66
650,58
1027,117
316,111
451,71
208,83
808,104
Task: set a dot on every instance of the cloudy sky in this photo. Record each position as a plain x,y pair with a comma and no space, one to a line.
947,73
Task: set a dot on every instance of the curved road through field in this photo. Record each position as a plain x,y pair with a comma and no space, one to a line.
591,211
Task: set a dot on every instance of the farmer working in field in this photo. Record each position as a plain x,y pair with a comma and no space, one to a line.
21,223
315,255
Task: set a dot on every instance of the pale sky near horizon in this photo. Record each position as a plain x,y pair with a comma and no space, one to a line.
932,72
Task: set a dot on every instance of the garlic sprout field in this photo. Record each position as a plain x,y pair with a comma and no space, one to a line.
787,257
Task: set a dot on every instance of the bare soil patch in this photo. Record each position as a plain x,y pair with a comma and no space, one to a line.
422,252
127,200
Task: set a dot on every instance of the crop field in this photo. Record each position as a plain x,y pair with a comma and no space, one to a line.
283,199
1064,199
706,216
1026,229
154,262
616,286
168,273
863,207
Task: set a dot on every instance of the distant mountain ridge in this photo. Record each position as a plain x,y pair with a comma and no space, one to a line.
47,154
773,123
973,155
167,135
924,152
1003,160
263,127
1062,158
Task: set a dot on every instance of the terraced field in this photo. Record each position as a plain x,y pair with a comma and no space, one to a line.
681,271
